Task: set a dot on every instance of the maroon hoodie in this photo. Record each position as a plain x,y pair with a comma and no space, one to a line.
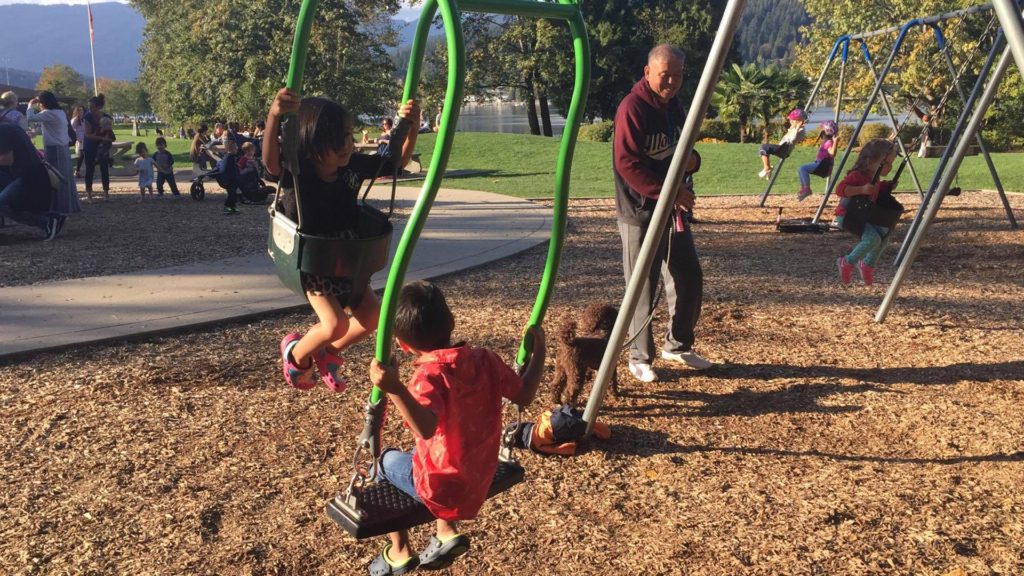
646,132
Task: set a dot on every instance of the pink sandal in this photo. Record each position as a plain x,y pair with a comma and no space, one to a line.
301,378
329,365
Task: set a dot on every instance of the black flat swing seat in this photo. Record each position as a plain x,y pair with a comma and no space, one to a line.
385,508
798,225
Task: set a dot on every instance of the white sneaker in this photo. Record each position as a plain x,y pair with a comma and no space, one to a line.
690,358
642,372
764,173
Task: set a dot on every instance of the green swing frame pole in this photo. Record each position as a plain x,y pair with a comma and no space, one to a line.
665,205
455,42
566,10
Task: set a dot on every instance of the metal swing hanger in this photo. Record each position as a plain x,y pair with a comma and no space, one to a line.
366,509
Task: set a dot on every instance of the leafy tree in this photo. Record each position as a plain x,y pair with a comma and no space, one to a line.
782,89
738,95
124,96
231,65
63,81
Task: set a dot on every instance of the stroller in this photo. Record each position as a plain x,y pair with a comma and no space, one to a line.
252,189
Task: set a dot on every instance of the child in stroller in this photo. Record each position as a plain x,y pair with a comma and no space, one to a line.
235,176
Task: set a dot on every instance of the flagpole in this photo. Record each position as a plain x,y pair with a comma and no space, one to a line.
92,51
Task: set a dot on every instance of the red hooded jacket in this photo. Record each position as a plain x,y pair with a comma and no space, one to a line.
646,132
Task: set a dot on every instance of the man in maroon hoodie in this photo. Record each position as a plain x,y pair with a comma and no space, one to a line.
647,126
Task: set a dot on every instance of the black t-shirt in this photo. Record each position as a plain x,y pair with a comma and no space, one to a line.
331,208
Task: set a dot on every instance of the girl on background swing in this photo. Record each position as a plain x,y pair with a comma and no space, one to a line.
822,165
330,176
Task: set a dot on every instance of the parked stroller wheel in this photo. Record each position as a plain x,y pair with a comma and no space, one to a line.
197,191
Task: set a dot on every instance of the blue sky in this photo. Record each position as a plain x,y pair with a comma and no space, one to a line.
403,14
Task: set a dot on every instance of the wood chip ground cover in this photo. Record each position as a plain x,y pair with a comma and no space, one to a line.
822,443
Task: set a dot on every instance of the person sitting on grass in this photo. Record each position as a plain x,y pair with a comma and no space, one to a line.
26,193
453,406
144,164
794,135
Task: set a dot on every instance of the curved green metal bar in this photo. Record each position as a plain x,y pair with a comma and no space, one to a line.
438,162
581,48
296,71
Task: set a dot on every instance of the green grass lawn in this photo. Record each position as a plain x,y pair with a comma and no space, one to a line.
524,166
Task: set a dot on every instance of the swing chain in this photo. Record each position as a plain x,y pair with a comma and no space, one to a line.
508,437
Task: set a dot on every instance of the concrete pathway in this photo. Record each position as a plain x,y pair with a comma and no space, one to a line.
465,229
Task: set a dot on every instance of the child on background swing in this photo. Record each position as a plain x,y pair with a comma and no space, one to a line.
859,195
794,135
453,406
822,165
331,174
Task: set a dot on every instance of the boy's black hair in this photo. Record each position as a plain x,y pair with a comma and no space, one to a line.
323,127
422,318
203,128
140,147
160,140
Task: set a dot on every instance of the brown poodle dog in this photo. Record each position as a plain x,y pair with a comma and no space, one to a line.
579,354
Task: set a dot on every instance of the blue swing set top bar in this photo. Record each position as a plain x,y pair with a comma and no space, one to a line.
927,21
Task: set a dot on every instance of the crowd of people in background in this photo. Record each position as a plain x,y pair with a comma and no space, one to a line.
82,142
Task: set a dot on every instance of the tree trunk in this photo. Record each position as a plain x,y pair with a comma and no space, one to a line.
743,129
545,114
531,107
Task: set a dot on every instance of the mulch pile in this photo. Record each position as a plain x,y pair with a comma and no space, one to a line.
822,443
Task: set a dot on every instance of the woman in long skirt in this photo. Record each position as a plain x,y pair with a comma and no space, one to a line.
55,145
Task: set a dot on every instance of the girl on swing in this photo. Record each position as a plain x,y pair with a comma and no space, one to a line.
330,176
867,209
822,165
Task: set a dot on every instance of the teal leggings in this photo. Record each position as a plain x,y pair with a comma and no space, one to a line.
872,243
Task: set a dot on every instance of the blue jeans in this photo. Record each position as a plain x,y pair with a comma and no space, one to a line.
805,172
396,467
9,195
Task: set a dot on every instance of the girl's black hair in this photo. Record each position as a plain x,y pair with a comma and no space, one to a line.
99,101
48,100
422,317
140,147
324,126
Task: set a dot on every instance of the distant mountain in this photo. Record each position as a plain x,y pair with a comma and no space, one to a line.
19,78
36,36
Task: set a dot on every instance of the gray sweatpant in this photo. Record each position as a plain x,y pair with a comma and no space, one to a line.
684,289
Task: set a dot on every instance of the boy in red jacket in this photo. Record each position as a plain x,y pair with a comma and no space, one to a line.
453,406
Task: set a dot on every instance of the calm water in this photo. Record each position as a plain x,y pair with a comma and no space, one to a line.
511,118
502,117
